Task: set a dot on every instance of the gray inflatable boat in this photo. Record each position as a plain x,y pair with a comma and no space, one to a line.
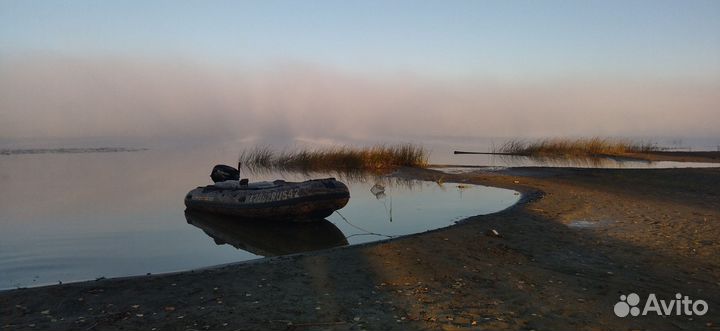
278,200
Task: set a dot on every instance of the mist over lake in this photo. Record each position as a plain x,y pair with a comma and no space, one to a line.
53,96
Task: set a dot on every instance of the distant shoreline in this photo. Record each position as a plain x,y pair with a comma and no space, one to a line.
25,151
654,156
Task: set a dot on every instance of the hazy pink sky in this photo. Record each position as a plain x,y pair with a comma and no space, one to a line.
60,96
359,69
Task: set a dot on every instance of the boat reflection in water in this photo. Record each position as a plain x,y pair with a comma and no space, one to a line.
268,238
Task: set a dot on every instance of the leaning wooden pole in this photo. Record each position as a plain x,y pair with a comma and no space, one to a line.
487,153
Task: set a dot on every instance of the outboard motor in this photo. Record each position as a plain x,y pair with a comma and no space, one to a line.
221,173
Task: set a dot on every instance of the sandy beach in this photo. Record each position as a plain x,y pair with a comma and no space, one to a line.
578,240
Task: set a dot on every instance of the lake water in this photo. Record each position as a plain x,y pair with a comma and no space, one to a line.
78,216
71,215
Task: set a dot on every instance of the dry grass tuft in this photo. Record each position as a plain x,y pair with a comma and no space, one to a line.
336,158
581,147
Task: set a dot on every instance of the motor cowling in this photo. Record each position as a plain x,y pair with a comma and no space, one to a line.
221,173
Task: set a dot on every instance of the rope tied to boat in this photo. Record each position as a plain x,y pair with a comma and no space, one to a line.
361,229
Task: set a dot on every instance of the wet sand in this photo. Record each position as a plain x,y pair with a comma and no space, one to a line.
578,239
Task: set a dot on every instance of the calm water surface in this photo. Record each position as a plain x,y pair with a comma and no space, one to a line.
78,216
67,217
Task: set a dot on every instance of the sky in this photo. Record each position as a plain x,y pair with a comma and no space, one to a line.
359,68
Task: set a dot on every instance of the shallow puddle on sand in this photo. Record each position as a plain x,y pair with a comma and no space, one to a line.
379,208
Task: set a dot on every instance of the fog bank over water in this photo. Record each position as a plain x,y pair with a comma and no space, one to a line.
53,96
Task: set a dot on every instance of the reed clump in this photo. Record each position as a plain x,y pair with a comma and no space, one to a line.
580,147
336,158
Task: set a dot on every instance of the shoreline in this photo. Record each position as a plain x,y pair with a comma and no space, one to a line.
656,156
562,260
